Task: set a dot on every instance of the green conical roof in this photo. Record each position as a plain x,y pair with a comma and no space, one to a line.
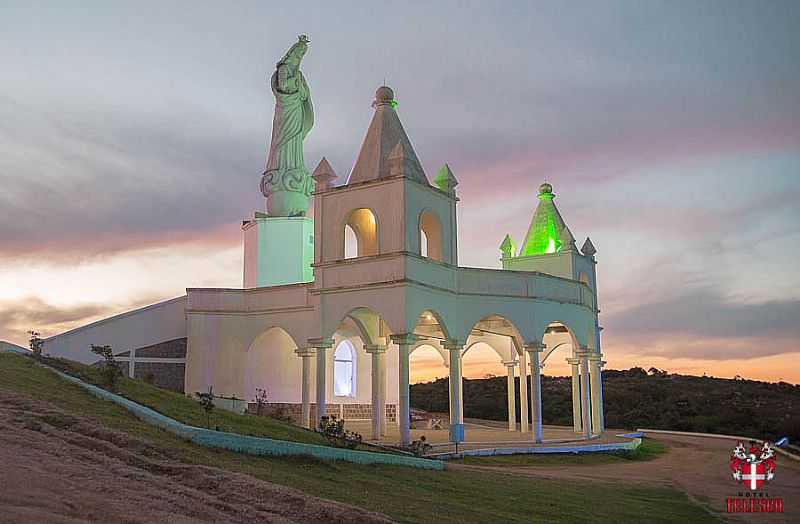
545,229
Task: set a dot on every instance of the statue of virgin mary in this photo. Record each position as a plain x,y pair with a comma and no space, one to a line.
286,182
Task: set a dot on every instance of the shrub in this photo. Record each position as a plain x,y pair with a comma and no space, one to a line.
110,369
207,401
261,400
36,342
420,447
333,430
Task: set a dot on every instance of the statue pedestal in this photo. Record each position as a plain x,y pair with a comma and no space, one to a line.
278,250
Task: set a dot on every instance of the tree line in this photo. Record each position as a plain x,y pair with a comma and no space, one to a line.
637,398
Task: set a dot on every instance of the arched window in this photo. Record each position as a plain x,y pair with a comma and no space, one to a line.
430,235
362,225
350,242
344,370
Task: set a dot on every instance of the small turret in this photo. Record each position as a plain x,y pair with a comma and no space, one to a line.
508,248
588,248
446,180
323,175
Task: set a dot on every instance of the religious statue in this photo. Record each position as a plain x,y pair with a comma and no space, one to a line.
286,182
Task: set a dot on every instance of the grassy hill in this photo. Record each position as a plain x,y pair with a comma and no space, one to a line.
404,494
635,398
184,409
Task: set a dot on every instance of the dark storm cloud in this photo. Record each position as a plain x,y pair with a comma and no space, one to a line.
773,327
176,139
71,182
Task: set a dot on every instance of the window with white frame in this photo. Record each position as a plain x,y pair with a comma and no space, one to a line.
344,370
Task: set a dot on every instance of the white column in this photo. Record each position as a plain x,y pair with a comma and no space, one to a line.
305,386
322,355
576,395
595,388
601,405
382,362
536,389
523,392
586,417
512,402
132,363
404,343
456,396
378,405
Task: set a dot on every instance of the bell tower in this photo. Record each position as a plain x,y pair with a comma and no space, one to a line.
387,202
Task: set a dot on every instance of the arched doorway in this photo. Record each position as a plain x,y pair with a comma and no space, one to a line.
273,366
354,374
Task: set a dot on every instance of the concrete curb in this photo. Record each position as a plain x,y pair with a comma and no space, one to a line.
715,435
634,443
247,444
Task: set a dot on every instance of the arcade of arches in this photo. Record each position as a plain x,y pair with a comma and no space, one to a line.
352,369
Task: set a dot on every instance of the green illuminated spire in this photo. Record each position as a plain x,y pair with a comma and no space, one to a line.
545,232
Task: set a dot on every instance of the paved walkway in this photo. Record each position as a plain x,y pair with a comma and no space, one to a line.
483,434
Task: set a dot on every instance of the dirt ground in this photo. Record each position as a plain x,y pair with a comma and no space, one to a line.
56,468
698,466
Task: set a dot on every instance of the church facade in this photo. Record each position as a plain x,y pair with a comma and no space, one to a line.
322,330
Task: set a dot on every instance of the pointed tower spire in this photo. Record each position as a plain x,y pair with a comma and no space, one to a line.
507,247
588,248
544,232
446,180
323,175
386,150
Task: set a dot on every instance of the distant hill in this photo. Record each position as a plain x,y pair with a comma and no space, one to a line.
637,398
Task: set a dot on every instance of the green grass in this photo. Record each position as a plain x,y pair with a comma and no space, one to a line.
187,410
649,450
405,494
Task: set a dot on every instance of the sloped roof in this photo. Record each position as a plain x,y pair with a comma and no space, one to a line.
386,150
544,234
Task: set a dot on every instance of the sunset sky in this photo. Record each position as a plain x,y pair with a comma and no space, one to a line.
132,140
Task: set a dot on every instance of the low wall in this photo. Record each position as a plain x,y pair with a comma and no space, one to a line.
610,447
293,411
251,445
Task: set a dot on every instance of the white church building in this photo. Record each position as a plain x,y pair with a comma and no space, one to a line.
316,325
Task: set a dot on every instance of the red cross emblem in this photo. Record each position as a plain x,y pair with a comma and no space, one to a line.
753,467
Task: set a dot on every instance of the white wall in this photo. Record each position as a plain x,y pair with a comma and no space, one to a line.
132,329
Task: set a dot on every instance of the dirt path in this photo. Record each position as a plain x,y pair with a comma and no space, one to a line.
698,466
55,468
